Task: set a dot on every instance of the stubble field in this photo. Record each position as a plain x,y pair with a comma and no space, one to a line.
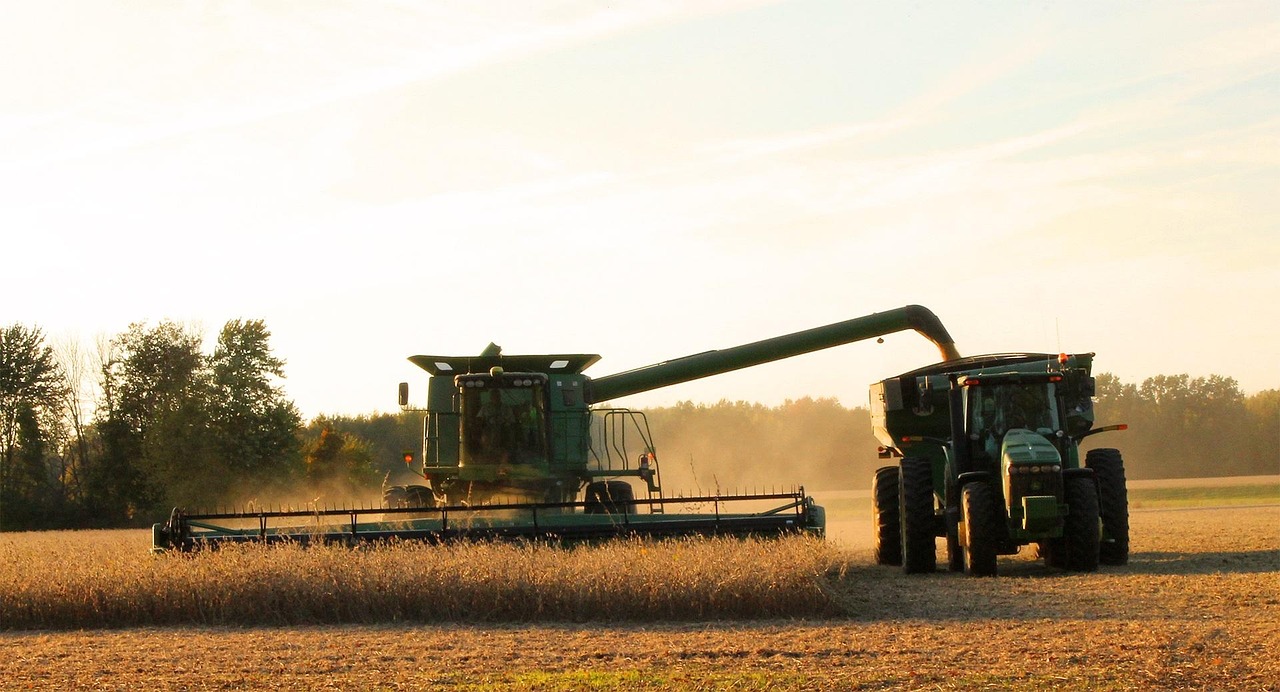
1197,607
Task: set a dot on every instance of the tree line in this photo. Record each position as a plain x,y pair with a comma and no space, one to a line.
147,421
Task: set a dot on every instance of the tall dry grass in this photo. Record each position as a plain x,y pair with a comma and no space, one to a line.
65,580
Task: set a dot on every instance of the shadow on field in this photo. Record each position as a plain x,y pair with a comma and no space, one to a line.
1240,562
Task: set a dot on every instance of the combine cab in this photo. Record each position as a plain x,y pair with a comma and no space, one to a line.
521,446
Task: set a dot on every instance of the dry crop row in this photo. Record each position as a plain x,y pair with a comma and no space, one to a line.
79,579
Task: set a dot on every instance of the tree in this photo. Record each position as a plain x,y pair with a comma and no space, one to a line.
339,464
151,432
253,427
31,386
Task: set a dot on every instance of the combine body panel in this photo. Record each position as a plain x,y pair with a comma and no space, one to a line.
520,446
990,462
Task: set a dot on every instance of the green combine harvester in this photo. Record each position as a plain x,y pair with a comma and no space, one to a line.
520,446
989,459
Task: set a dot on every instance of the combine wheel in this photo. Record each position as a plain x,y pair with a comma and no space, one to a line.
884,516
980,529
393,497
418,496
1113,505
1080,532
915,498
609,497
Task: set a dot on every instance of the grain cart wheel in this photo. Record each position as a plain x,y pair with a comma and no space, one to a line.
978,505
609,497
1052,552
915,509
884,516
1113,504
1080,531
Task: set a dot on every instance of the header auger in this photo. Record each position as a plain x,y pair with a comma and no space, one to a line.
519,446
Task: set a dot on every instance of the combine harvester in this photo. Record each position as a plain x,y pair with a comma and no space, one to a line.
516,447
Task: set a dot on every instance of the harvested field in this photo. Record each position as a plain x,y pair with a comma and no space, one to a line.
1198,606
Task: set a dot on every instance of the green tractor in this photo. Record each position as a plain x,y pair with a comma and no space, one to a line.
989,459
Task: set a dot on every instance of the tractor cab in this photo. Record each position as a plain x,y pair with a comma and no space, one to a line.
1010,410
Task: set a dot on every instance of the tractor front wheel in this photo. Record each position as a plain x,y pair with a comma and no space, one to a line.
885,517
915,508
980,529
1081,530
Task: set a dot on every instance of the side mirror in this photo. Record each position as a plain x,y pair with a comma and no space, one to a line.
404,394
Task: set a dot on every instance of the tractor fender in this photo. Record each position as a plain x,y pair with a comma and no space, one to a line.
973,477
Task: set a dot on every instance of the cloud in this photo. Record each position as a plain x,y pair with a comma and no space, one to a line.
107,77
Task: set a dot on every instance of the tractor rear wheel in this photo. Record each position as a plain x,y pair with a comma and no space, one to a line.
915,508
884,516
1113,504
1081,530
978,506
609,497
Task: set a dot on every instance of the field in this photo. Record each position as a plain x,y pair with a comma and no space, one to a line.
1198,606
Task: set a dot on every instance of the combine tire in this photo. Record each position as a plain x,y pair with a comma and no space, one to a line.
418,496
393,497
609,497
884,516
915,498
1080,532
1113,505
980,528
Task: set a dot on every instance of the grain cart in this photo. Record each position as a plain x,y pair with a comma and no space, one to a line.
990,461
522,446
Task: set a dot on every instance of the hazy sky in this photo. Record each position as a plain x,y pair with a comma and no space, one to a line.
646,180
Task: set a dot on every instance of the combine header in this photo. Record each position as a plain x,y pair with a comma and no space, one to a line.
519,447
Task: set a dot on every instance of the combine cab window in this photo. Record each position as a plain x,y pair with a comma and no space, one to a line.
504,425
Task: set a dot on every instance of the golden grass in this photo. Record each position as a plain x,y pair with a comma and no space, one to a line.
110,581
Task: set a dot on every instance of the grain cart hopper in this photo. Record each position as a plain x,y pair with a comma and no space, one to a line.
521,446
990,461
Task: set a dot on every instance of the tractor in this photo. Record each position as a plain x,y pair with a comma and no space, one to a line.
988,451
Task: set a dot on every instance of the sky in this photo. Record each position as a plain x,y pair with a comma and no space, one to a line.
647,180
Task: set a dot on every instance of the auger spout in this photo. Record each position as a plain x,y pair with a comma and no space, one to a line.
699,365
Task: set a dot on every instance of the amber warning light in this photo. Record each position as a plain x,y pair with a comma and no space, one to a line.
408,457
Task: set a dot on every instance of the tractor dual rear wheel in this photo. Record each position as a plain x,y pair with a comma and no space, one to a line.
885,516
915,507
1113,504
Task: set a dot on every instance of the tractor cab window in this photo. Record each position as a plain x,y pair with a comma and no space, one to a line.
999,408
503,421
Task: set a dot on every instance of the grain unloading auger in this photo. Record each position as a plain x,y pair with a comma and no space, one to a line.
519,446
